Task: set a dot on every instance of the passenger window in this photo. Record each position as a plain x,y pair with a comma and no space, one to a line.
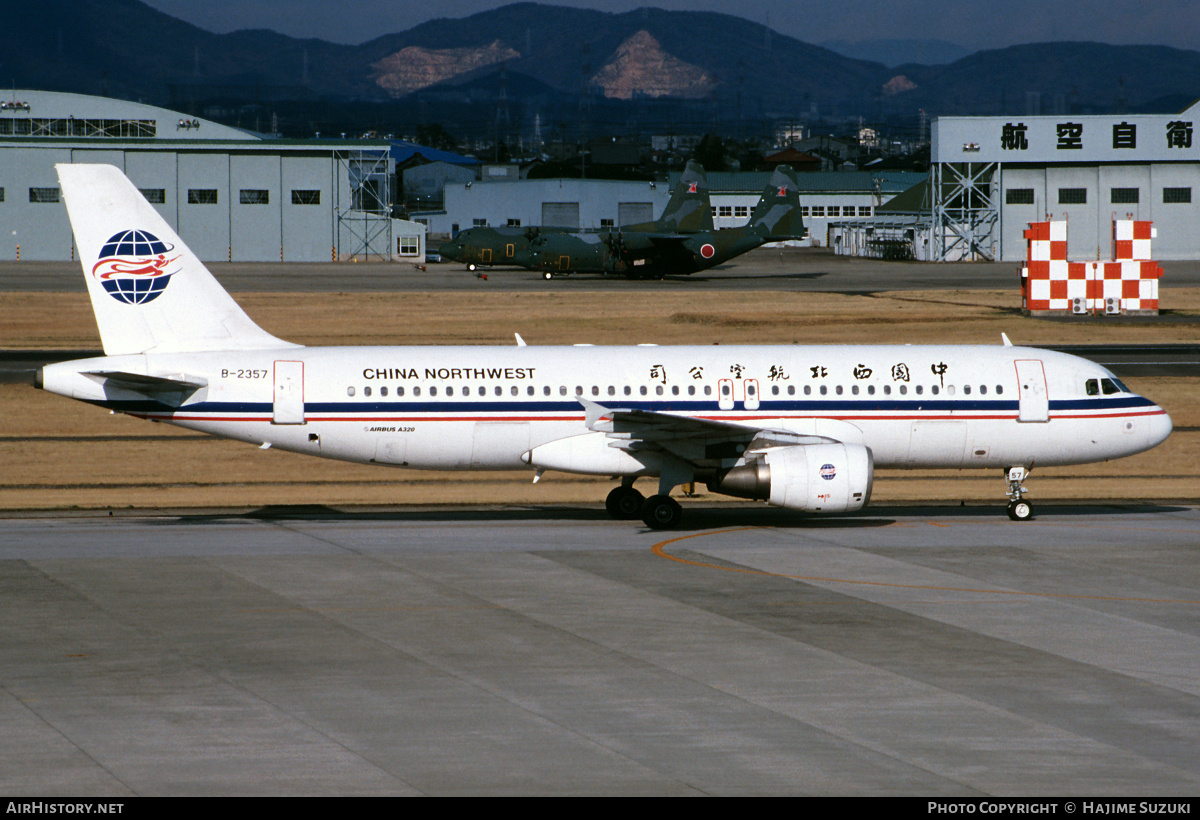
708,389
658,390
854,389
691,389
674,390
529,390
999,389
983,389
870,390
562,390
774,390
433,391
642,390
824,390
366,391
808,389
383,391
629,390
499,390
399,391
934,390
966,389
349,391
416,391
513,390
887,390
920,389
595,390
838,390
791,390
612,391
903,390
482,390
546,390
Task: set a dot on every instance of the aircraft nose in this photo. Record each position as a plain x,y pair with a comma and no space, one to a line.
1160,428
449,250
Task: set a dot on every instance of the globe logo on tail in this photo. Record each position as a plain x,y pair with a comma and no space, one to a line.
133,267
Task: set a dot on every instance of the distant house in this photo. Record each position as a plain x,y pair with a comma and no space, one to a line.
799,160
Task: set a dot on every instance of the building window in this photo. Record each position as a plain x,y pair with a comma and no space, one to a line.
803,210
714,210
306,197
479,223
818,210
43,195
1,194
1170,195
835,210
514,223
1124,196
1018,196
741,210
254,196
155,196
1072,196
725,210
607,223
408,245
202,196
864,210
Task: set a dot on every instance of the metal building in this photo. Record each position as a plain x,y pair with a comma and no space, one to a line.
232,195
992,176
581,204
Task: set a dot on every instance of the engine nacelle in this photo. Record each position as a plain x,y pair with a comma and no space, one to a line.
810,477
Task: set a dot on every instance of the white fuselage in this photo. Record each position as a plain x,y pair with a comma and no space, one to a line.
487,407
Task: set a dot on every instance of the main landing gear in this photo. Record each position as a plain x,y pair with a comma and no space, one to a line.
658,512
1018,508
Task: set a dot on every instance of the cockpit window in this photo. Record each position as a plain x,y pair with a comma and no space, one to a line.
1093,387
1121,385
1109,387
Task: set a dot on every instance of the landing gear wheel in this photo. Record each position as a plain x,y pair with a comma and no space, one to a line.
661,512
1020,510
471,267
625,504
548,275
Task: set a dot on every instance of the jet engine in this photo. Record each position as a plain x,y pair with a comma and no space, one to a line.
825,478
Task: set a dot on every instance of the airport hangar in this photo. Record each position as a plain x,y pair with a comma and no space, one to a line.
595,204
992,176
232,195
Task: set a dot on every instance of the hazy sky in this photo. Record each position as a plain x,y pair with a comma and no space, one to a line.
976,24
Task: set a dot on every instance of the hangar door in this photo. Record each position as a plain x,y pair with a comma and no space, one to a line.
560,214
631,213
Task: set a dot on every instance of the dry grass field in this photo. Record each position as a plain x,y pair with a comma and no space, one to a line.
56,454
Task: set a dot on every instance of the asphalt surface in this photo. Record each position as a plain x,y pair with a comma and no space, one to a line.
931,652
788,269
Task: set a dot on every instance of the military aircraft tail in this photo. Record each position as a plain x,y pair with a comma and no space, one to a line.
778,211
689,210
148,290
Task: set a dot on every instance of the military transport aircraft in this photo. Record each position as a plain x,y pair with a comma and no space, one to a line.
654,254
801,427
688,211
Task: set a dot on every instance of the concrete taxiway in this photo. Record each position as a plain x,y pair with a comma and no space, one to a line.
925,651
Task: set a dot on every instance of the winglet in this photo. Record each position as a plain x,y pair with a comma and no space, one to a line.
1004,336
520,341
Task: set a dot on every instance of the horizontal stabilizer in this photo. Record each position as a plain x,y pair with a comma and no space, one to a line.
169,391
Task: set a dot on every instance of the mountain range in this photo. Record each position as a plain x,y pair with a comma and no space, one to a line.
562,61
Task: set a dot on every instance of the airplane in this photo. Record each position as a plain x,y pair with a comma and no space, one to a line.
800,427
654,254
687,211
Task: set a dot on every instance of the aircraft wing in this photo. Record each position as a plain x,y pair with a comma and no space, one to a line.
697,440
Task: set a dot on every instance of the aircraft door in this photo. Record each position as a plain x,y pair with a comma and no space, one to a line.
750,402
289,393
1034,400
485,256
509,250
725,394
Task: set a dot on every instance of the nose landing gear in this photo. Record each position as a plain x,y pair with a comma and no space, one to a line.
1018,508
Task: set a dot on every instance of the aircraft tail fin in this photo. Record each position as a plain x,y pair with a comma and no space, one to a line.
689,209
149,292
778,211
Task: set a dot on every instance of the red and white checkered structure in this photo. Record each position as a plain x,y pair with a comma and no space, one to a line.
1128,283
